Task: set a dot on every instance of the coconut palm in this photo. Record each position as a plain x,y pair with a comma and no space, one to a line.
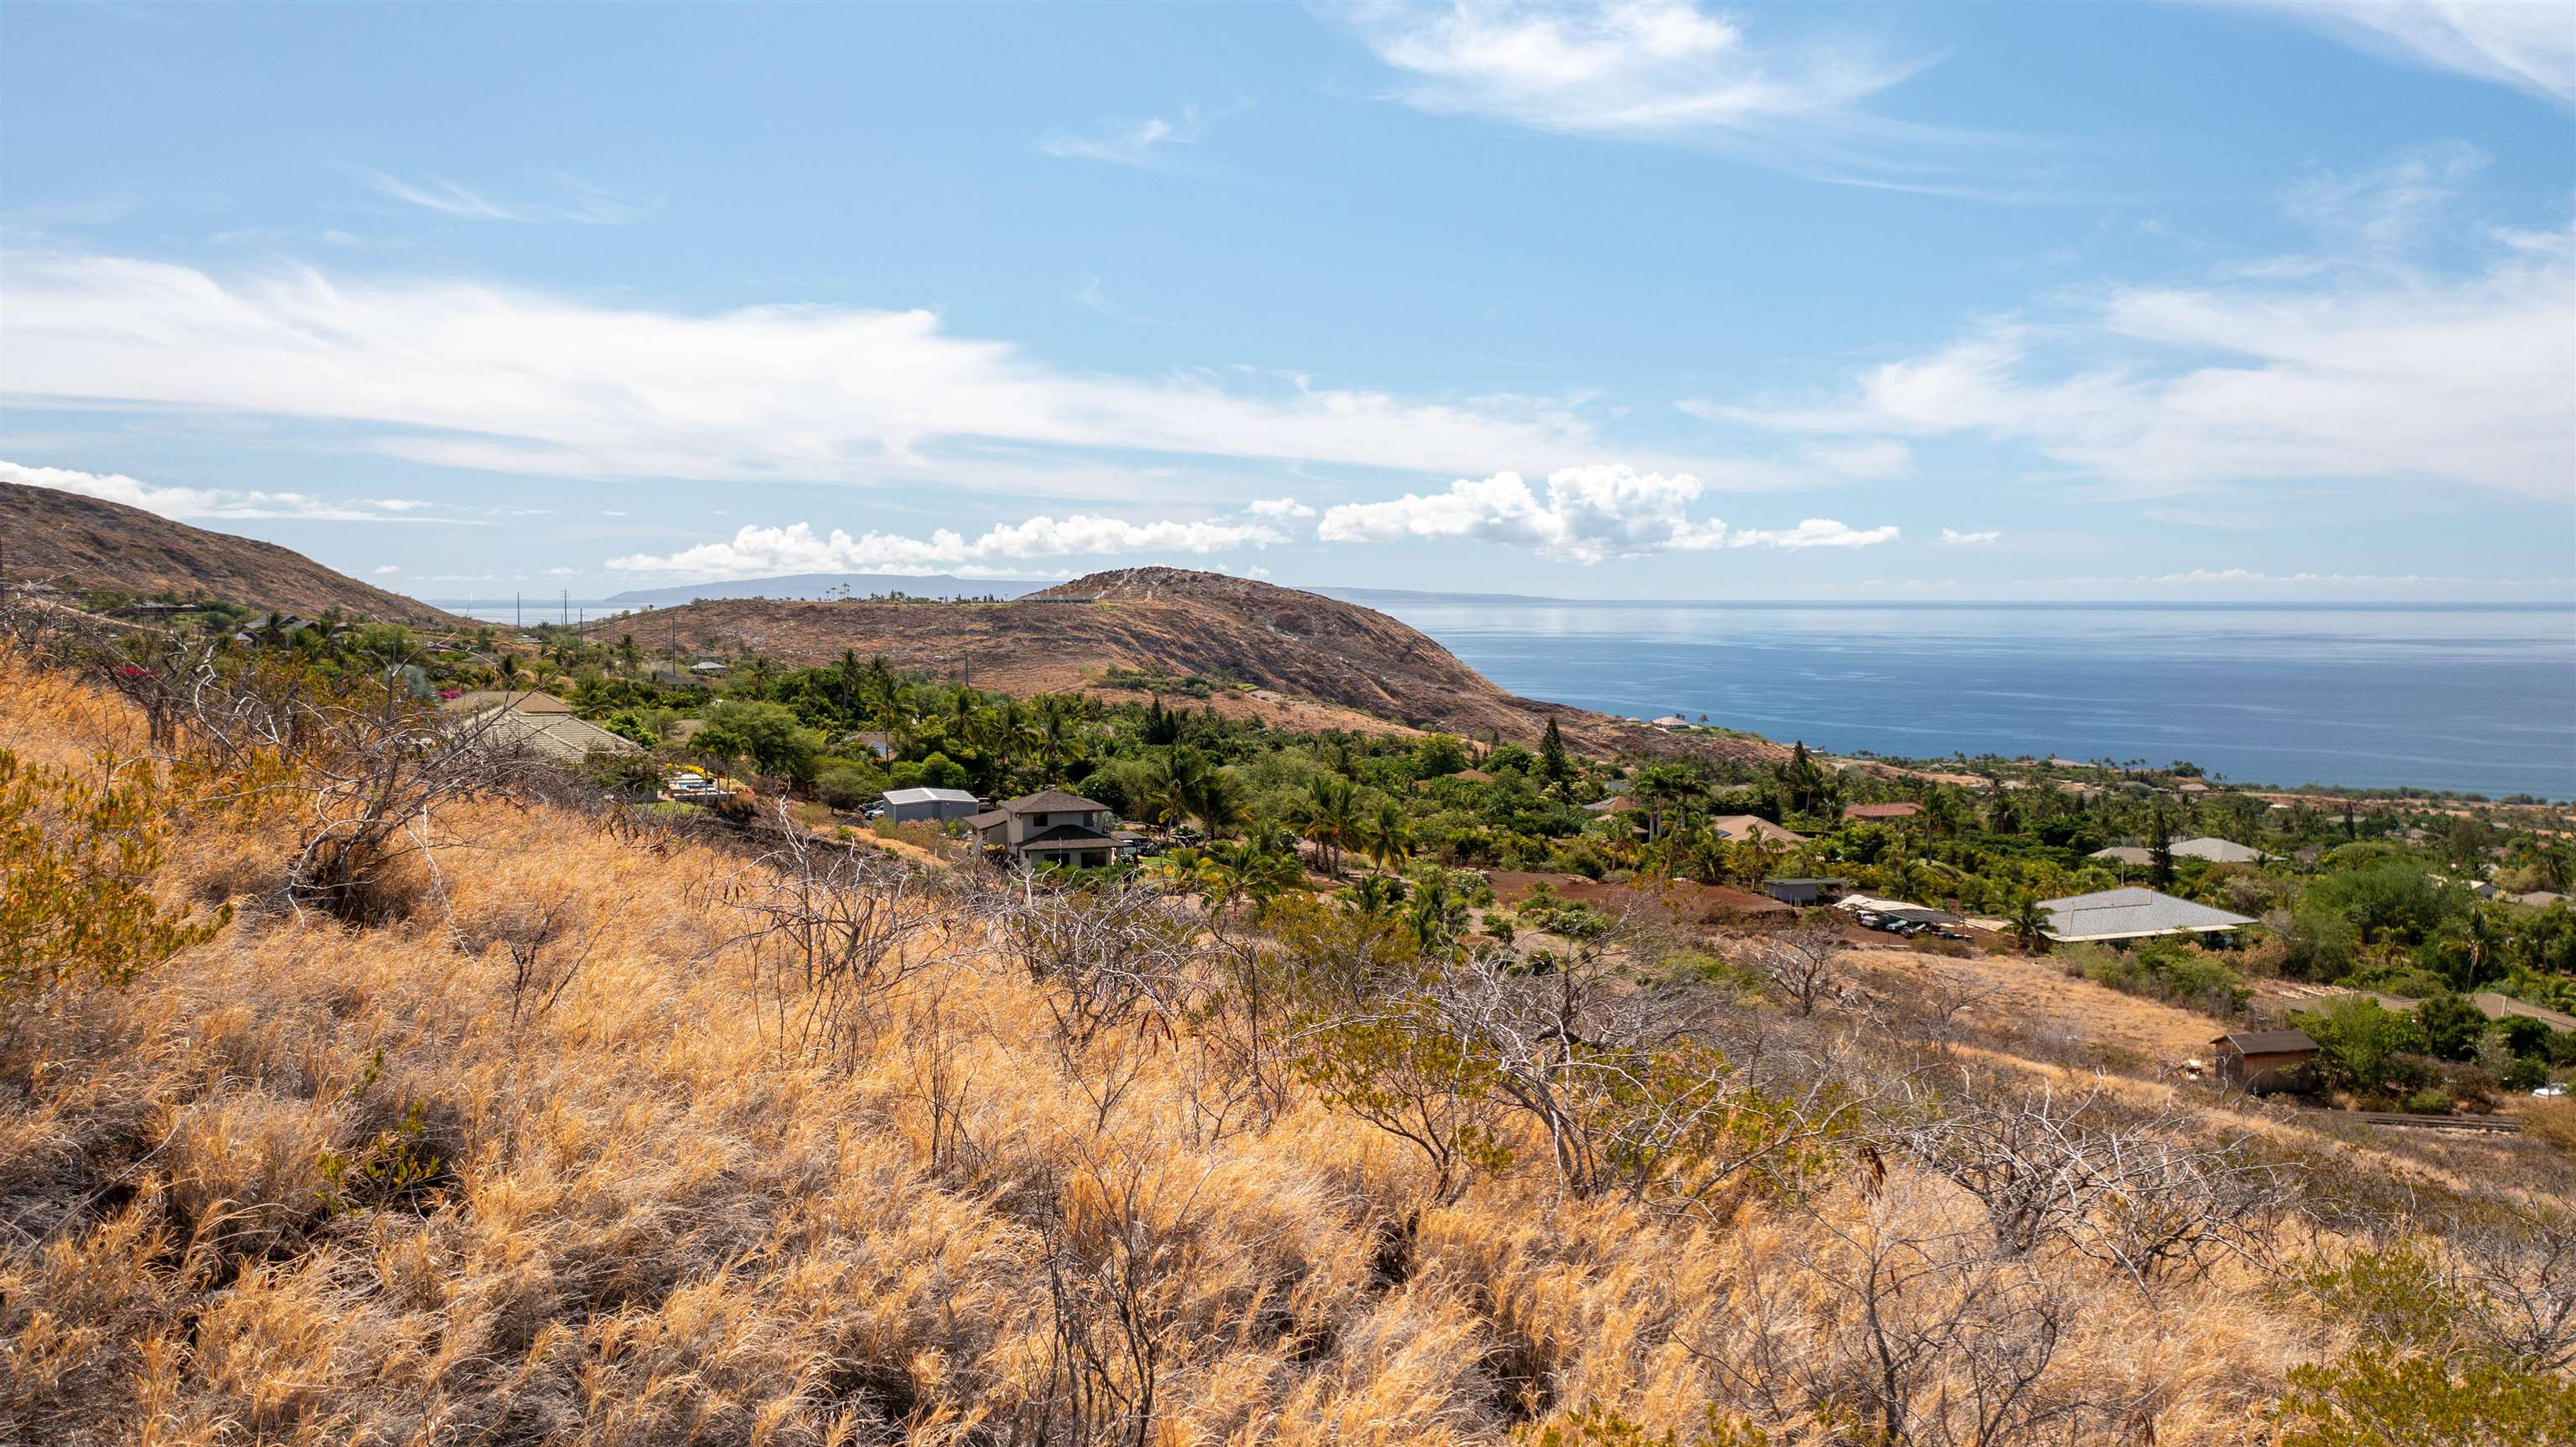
1386,835
1329,816
2029,924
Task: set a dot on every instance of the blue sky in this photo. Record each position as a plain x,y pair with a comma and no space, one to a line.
1645,300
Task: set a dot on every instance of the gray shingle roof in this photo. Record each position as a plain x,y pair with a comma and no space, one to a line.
1050,801
2127,914
2217,851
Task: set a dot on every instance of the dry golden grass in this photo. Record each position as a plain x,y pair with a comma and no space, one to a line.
650,1222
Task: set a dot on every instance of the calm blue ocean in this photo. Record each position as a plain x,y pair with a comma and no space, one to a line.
2466,697
2471,698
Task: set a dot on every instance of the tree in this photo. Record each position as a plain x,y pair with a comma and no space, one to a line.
2029,925
2160,856
1554,768
768,734
1387,834
1802,781
2358,1042
1329,816
2452,1027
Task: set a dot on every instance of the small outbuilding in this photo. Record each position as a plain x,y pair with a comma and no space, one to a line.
912,806
2264,1060
1805,890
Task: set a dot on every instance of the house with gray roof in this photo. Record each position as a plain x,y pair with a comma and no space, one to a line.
911,806
2132,914
1050,826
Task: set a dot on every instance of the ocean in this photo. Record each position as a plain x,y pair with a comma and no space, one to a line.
2474,698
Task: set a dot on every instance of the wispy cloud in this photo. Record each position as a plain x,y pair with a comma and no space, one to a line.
1090,295
1957,538
1589,514
2528,46
214,502
1667,70
581,203
755,552
1278,507
1147,142
2358,363
459,374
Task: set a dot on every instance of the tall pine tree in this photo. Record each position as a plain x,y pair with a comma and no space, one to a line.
1553,765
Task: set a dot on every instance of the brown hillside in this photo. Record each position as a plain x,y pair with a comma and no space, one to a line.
84,542
1364,668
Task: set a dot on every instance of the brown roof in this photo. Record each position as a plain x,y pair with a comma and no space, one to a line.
2266,1042
1753,826
1881,811
1049,801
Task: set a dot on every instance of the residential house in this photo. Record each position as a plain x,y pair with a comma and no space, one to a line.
533,721
2264,1060
1753,826
879,744
2133,914
2135,855
1881,813
1051,827
916,806
2217,851
2505,1007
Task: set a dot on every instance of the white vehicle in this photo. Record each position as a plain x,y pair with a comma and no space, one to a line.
2547,1092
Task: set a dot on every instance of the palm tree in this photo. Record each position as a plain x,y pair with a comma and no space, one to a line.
1175,786
1216,804
1386,835
1376,895
1435,918
2029,924
1329,815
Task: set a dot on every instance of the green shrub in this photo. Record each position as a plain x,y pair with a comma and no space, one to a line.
77,861
2429,1102
2375,1397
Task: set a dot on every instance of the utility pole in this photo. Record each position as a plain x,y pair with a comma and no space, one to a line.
517,622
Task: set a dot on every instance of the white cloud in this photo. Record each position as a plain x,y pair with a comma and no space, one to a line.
1969,540
1590,513
2355,366
755,552
458,374
388,570
2529,46
1128,143
1278,507
1813,533
584,203
1662,70
1874,461
210,502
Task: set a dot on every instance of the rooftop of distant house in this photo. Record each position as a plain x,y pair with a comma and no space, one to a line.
1881,811
2130,914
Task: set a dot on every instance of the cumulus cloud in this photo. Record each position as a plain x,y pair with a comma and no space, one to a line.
1278,507
1662,70
1954,536
211,502
459,374
1589,514
1813,533
2530,47
755,552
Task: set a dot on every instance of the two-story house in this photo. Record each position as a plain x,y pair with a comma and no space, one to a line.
1048,827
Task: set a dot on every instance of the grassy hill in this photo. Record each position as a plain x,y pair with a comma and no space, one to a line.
1173,625
570,1136
84,543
